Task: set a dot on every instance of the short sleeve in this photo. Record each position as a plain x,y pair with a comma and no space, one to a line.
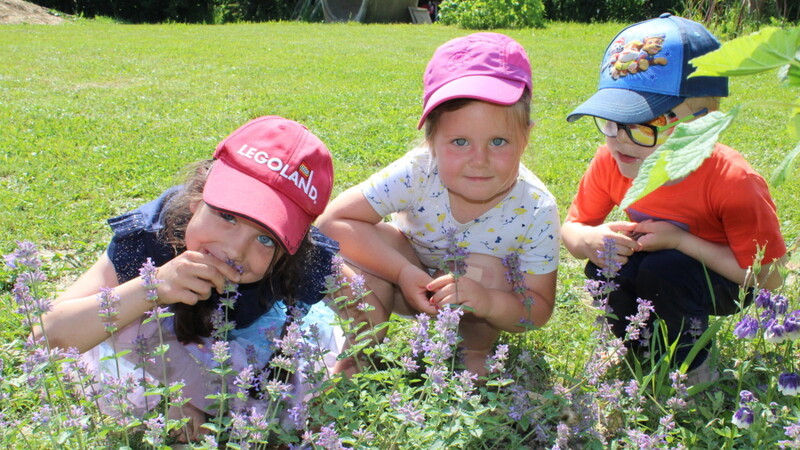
395,187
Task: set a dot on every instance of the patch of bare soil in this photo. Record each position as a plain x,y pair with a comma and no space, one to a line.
18,11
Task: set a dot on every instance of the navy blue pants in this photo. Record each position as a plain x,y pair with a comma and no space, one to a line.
679,288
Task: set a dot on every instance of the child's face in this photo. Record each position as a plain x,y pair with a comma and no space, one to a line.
478,150
628,155
231,238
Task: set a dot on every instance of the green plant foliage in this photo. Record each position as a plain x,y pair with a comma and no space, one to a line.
683,153
768,49
492,14
685,150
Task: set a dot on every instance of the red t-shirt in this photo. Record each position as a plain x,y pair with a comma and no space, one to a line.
724,201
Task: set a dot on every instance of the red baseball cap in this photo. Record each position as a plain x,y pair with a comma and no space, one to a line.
274,172
485,66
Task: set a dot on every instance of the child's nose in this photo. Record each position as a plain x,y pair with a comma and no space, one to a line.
480,157
237,246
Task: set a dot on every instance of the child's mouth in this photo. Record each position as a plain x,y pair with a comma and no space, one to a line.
627,159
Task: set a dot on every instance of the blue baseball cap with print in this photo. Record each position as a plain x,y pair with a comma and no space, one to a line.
645,71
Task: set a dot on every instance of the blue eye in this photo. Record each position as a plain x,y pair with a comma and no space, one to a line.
498,141
228,217
460,142
266,241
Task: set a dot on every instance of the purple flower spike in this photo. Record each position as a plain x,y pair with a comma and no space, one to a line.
789,383
607,254
743,417
747,328
26,255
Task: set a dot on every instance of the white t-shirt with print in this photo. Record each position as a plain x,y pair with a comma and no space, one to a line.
525,221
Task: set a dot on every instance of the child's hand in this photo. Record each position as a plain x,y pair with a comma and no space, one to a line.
659,235
624,235
465,291
413,282
190,277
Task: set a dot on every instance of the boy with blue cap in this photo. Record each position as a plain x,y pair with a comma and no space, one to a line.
687,245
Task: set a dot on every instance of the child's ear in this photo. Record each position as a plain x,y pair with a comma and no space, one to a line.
194,204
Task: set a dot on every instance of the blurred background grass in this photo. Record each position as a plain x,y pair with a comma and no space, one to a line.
97,117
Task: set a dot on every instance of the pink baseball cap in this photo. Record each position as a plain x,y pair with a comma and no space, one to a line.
484,66
274,172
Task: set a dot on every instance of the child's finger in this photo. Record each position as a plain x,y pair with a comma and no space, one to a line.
439,282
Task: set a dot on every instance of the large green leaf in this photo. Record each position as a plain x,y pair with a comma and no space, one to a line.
785,168
767,49
684,152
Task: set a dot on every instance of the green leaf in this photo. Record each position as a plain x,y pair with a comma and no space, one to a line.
767,49
793,127
786,167
690,144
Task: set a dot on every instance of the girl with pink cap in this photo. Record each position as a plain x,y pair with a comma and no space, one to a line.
465,182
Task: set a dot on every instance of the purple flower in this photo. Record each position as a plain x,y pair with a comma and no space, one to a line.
420,332
668,422
154,433
148,273
743,417
108,308
789,383
409,364
639,320
764,299
774,332
695,328
496,363
220,351
562,436
363,435
436,374
455,256
607,254
328,438
516,278
411,415
779,304
792,432
791,325
299,415
747,328
746,397
25,256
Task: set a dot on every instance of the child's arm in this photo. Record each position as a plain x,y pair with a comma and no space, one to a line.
503,309
75,321
660,235
586,241
351,220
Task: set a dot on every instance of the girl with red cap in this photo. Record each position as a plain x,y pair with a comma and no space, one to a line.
243,217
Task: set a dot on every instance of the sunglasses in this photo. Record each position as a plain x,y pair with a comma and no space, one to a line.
645,134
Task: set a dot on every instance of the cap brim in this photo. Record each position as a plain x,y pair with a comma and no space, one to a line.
502,91
625,106
253,200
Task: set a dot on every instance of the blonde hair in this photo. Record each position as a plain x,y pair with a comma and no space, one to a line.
519,113
698,103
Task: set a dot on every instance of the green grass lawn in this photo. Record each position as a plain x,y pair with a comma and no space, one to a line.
98,118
